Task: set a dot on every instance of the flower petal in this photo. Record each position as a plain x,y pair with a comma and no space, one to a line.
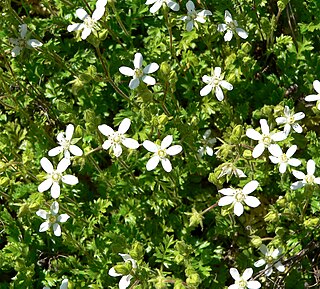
105,130
34,43
44,226
279,266
297,127
70,179
130,143
247,274
16,51
166,164
45,185
64,284
166,142
316,86
85,33
278,136
242,33
291,150
81,13
259,263
219,93
75,150
54,208
238,209
124,281
189,25
134,83
23,30
298,116
226,85
137,62
190,6
127,71
152,163
258,150
226,200
264,126
281,120
227,192
252,202
274,160
55,190
98,13
174,150
63,218
75,27
253,285
117,150
55,151
312,97
56,229
124,126
282,168
297,185
107,144
46,165
156,6
113,273
253,134
299,175
217,71
150,146
311,167
275,150
63,165
234,273
150,68
206,90
42,213
222,27
148,80
228,36
173,5
294,162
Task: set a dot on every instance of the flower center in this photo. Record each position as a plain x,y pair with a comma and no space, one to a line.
193,15
22,42
290,119
138,72
269,260
239,195
162,153
232,25
65,144
52,219
266,139
116,138
241,283
310,179
215,81
56,177
89,22
284,158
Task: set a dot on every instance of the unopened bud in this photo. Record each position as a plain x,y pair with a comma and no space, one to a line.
247,154
123,269
137,251
256,241
237,132
271,217
194,279
311,222
195,219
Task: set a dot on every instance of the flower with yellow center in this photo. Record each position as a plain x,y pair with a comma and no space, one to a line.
289,120
270,259
161,153
237,197
265,138
55,176
194,16
213,83
66,144
158,3
23,42
283,159
117,138
52,219
139,73
242,282
89,23
315,97
231,26
305,179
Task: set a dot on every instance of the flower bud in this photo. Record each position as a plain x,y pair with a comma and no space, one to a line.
194,279
123,269
256,241
162,119
178,258
237,132
281,201
247,154
165,68
271,217
195,219
311,223
137,251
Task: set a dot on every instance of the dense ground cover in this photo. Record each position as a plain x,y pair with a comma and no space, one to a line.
166,144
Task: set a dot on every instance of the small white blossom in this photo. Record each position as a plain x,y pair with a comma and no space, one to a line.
52,219
194,16
283,159
270,256
230,169
89,23
265,139
289,120
237,197
23,41
125,279
308,179
55,176
315,97
117,138
207,144
158,3
161,153
138,73
65,144
64,285
241,282
231,26
213,83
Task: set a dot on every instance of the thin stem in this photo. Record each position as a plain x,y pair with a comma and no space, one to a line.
208,209
118,18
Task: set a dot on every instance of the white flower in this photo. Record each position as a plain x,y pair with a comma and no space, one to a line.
116,138
283,159
161,153
52,219
230,169
289,119
194,16
66,146
315,97
231,26
125,279
213,83
138,73
207,144
55,176
308,179
23,42
64,285
237,197
241,282
270,256
89,23
265,139
158,3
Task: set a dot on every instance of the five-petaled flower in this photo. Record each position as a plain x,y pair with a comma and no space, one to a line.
52,219
237,197
89,23
125,279
289,120
230,169
315,97
213,83
241,282
270,259
194,16
158,3
207,144
283,159
161,153
55,176
64,285
305,179
138,73
265,139
23,41
116,138
65,144
231,26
